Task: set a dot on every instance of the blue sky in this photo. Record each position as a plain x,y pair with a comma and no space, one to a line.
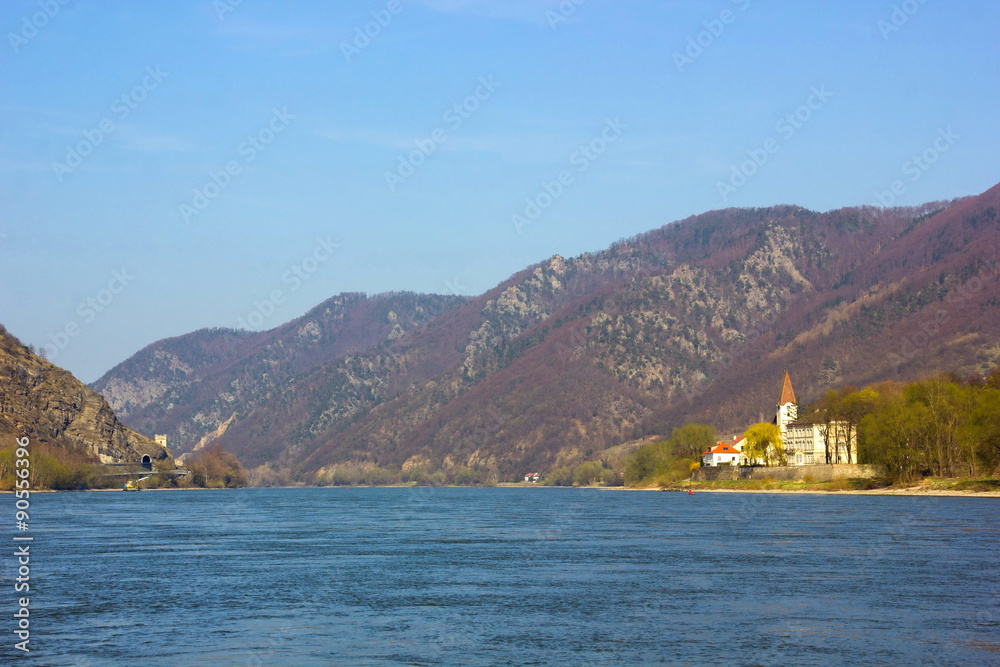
172,165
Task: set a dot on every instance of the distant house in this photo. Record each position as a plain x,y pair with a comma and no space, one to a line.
161,440
723,454
532,477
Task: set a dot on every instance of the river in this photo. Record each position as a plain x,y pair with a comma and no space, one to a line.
463,576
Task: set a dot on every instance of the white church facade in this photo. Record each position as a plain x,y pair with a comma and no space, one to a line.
811,443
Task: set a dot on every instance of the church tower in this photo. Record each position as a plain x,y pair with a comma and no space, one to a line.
788,411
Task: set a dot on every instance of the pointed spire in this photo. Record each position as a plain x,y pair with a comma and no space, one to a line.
787,393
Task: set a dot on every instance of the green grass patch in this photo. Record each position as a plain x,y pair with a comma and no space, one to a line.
973,484
769,483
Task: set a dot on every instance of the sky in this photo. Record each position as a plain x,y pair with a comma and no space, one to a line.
169,165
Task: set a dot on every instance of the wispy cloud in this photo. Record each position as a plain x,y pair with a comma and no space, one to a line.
518,148
42,121
268,32
24,166
375,138
278,39
512,148
148,142
20,109
525,11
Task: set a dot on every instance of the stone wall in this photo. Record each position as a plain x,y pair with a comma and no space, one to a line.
819,473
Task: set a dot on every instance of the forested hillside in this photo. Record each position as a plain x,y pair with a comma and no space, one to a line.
694,321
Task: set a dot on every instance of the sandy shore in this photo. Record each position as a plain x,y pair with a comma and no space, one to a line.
914,491
902,491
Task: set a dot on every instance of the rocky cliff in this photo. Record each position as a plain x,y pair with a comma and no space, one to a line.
47,404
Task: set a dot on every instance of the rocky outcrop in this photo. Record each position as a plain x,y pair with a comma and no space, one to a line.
48,405
193,388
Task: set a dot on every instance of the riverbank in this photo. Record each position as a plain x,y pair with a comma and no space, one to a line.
960,487
967,488
910,491
957,487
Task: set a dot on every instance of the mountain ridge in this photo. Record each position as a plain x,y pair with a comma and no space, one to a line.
570,356
214,361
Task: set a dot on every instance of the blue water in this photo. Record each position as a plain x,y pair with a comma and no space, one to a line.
509,576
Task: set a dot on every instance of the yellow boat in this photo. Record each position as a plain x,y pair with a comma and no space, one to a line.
131,486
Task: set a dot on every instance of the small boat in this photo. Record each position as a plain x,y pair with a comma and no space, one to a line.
133,486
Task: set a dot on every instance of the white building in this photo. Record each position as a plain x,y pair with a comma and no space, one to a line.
723,454
806,442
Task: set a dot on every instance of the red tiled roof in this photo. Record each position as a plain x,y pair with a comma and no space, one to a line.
787,393
722,448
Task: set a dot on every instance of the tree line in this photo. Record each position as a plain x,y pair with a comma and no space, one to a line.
940,427
672,459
